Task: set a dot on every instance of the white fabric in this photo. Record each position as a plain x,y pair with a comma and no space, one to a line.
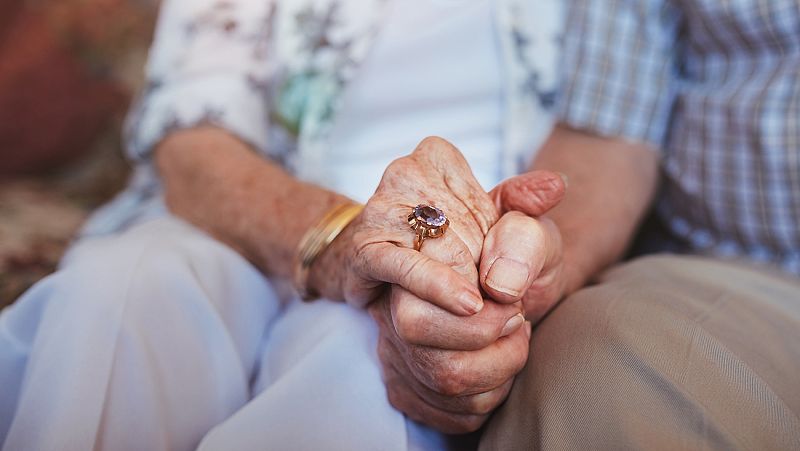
434,70
161,338
150,339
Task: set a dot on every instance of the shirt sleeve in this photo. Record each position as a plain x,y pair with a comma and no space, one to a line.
620,68
207,65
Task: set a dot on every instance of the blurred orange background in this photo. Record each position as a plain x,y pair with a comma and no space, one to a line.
68,70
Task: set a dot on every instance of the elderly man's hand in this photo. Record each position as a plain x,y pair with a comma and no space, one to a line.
453,391
522,256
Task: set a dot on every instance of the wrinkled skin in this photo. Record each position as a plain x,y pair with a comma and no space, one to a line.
446,362
376,247
451,372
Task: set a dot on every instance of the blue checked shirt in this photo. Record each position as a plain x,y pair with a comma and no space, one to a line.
714,84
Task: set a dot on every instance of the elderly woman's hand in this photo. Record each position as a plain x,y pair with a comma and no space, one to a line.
376,249
451,371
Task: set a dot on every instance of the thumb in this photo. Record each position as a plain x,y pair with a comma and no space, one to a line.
533,193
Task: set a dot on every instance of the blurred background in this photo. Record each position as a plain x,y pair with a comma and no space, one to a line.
68,71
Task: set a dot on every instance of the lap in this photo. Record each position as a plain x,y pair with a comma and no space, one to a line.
216,349
160,321
319,386
664,352
163,272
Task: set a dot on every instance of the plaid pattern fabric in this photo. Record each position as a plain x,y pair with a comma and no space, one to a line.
714,84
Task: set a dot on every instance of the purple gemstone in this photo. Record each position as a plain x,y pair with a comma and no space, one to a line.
431,216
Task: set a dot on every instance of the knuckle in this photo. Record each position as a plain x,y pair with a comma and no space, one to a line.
384,353
462,256
529,234
485,403
398,166
408,267
413,269
545,186
432,142
468,424
485,328
442,291
474,423
395,174
539,197
395,398
407,319
482,406
435,146
484,335
449,379
518,224
519,359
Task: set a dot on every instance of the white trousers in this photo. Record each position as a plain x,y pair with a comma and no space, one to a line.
161,338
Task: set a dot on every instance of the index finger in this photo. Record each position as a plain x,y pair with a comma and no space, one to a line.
427,278
421,323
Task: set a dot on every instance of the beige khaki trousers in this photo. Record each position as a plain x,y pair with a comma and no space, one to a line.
665,352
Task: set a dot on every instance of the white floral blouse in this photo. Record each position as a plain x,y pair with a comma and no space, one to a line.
271,72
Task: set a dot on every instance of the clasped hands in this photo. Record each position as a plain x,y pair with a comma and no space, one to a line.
452,317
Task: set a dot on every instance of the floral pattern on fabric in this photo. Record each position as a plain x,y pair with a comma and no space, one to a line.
208,63
313,89
307,51
272,73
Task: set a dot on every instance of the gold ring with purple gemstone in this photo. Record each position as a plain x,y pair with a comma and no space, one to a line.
427,222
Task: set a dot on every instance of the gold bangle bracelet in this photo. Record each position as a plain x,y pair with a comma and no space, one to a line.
317,239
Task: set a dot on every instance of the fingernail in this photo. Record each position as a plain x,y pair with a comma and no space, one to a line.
507,276
565,178
471,303
512,324
528,327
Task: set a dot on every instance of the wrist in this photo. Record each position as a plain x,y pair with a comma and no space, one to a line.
576,270
322,254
